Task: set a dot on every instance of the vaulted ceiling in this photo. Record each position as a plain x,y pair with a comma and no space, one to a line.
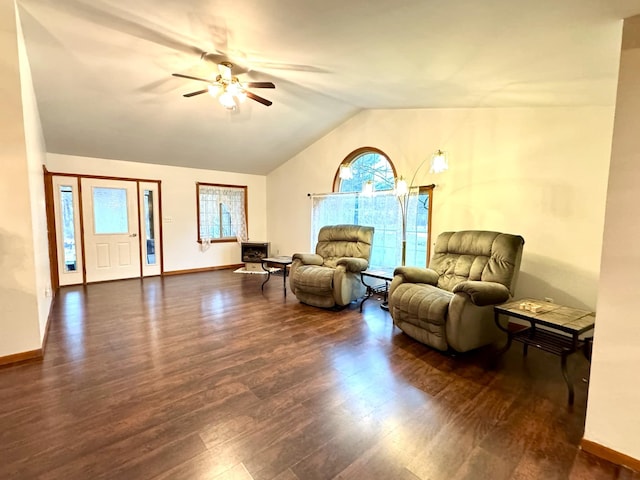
102,68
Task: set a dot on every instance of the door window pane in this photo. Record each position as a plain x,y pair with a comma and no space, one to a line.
110,210
149,227
68,229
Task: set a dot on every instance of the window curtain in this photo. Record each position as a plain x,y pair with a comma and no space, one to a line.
209,218
381,211
234,199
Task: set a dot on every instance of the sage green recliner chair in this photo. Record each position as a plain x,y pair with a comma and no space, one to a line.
331,276
450,304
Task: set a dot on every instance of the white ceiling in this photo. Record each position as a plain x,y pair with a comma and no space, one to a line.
102,68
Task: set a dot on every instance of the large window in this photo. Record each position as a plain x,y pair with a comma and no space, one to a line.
379,208
222,212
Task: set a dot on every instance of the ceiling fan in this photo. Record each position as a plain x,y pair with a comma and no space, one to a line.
226,87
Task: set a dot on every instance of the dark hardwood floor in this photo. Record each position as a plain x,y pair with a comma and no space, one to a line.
203,376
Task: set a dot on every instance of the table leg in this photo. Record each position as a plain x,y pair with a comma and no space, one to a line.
507,346
385,302
367,294
565,374
268,270
284,279
366,297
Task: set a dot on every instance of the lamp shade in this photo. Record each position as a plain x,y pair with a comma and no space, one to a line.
367,188
227,101
345,172
401,187
439,162
214,90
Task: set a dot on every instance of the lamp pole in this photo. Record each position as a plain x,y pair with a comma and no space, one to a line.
402,191
404,199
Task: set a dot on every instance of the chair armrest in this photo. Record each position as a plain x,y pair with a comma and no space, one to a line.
417,275
308,258
353,264
483,293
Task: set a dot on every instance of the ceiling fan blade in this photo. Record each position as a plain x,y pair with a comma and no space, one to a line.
259,99
199,92
127,22
190,77
260,85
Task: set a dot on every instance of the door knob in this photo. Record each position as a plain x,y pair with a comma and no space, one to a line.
133,235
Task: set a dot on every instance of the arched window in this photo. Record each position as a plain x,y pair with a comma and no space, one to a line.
365,165
352,204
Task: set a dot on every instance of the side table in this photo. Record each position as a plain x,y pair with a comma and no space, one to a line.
385,274
560,335
283,262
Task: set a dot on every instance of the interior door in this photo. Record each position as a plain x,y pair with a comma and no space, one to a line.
111,224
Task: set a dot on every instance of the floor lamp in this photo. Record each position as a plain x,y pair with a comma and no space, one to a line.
402,192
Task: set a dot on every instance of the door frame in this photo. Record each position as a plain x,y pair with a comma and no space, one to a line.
115,253
51,220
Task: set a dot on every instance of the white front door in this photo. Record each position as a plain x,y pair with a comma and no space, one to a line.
111,229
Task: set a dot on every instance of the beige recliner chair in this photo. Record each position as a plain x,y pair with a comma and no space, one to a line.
450,304
331,276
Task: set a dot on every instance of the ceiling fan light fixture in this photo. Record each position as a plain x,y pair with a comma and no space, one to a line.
225,70
227,101
214,90
234,87
229,91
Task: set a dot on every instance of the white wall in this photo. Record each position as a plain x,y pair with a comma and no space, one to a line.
538,172
181,250
19,326
613,417
36,158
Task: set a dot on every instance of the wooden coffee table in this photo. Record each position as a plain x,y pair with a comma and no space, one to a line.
553,328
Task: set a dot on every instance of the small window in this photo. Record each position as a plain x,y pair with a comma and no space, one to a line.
222,212
149,228
68,229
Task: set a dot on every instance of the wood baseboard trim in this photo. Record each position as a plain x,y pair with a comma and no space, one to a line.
31,355
45,337
610,455
204,269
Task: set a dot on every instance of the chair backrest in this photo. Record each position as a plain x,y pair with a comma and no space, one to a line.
337,241
477,255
